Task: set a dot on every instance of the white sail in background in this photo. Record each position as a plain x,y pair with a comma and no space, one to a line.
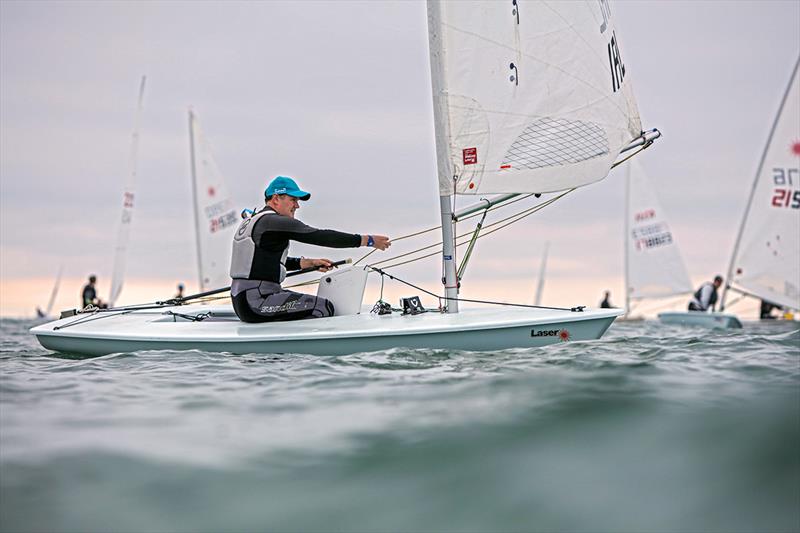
53,294
528,96
540,285
766,258
215,215
124,230
654,266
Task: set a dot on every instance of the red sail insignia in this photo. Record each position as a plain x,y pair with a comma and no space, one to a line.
470,156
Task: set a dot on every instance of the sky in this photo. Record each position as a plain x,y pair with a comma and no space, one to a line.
337,95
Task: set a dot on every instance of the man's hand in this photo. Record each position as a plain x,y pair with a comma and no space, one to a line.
381,242
323,264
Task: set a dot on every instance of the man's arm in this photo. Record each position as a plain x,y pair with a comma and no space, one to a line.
294,230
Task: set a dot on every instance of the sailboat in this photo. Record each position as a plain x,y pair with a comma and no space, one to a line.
654,267
765,262
528,98
215,216
128,196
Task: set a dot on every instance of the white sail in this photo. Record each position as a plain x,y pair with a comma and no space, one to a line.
528,96
215,215
654,266
540,285
54,293
124,229
46,313
766,259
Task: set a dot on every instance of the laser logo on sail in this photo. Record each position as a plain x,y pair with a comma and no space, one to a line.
470,156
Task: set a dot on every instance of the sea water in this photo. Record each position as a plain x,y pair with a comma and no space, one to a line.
651,428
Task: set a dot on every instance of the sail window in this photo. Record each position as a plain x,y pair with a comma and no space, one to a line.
550,142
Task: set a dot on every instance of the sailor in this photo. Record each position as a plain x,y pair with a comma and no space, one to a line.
765,313
261,257
89,294
706,296
606,304
179,294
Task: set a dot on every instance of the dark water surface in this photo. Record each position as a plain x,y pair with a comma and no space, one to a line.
652,428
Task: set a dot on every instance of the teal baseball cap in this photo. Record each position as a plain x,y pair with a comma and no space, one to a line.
284,185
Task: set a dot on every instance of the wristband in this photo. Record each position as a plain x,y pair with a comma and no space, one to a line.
370,241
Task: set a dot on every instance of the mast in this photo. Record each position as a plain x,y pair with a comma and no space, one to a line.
443,163
197,228
729,274
626,239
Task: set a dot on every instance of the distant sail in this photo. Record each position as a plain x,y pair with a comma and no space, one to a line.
766,258
528,96
124,229
542,268
654,266
215,215
54,292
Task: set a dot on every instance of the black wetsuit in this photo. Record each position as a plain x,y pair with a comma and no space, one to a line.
255,290
88,295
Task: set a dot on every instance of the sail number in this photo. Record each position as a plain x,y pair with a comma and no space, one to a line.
615,63
782,196
651,236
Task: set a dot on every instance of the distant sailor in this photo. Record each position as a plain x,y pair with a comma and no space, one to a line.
89,294
179,294
706,296
765,312
606,304
261,257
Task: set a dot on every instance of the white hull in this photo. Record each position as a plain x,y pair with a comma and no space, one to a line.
472,329
698,318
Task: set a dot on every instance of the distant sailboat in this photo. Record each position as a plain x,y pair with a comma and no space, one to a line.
46,313
124,229
654,267
215,216
765,262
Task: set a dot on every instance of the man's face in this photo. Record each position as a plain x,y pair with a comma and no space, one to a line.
285,205
717,283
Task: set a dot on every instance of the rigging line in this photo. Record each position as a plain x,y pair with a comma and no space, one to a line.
467,234
522,214
89,318
382,273
434,228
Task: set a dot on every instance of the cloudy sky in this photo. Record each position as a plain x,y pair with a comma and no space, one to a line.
337,94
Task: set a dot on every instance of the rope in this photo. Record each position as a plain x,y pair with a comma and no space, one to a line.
576,309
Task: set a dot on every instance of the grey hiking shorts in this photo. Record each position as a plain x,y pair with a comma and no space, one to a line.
265,301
